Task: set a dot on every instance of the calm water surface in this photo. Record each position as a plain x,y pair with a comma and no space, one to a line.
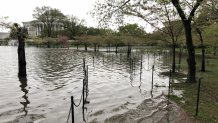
56,74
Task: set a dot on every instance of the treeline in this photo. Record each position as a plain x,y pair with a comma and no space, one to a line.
73,32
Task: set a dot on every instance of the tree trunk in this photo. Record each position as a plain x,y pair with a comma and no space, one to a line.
85,47
191,77
174,58
21,55
214,50
202,50
180,54
48,44
116,49
129,50
203,59
95,46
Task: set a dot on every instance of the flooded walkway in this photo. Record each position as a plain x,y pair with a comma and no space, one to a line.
120,87
154,110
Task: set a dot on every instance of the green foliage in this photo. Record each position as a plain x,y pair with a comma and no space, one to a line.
132,29
48,16
72,27
13,33
211,36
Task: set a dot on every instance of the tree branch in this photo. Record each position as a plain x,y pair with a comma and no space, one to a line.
198,3
124,4
179,9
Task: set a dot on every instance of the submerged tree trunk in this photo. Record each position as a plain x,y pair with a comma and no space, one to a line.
21,55
129,50
188,34
116,49
202,50
180,54
174,58
214,50
48,44
191,77
85,47
95,47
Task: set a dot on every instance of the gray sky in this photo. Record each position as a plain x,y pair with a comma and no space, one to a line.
22,10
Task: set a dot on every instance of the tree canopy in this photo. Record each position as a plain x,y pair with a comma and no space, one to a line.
132,29
48,16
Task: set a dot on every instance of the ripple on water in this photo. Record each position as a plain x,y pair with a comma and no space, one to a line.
56,74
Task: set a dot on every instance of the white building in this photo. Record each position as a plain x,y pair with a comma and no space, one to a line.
35,28
4,35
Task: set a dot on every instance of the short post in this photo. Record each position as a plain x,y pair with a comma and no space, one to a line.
199,87
72,105
152,82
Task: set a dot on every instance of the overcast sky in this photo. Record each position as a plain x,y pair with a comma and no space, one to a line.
21,10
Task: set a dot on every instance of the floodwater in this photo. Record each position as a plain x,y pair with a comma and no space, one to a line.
117,83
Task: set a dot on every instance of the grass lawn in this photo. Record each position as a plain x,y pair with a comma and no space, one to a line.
208,106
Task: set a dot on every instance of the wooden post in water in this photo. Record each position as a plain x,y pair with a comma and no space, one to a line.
21,51
198,97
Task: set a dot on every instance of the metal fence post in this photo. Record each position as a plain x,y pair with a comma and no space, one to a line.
72,105
199,87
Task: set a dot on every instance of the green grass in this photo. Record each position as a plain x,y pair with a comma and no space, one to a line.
208,106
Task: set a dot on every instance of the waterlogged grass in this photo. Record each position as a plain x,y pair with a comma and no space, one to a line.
208,106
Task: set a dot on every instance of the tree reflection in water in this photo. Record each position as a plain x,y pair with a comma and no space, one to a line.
23,86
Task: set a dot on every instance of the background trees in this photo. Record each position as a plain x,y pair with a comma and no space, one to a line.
132,29
157,13
48,16
73,26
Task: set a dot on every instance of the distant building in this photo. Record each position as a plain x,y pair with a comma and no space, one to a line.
35,28
4,35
